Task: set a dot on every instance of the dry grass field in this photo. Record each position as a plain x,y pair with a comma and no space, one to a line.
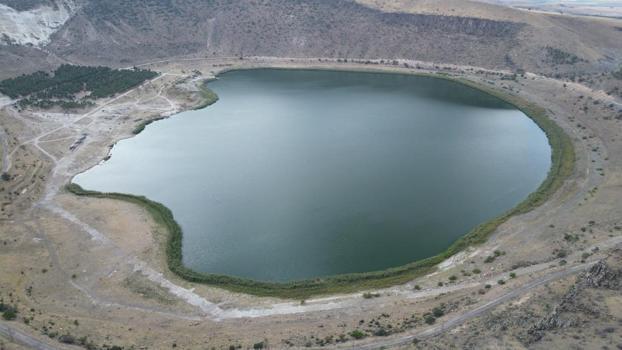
91,273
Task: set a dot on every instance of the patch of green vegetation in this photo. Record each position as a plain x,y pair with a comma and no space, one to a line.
140,127
570,238
62,87
562,165
617,74
356,334
9,313
429,319
438,311
208,98
497,253
557,56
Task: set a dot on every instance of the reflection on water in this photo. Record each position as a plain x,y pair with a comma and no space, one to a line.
299,174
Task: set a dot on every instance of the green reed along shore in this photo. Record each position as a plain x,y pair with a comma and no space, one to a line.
208,97
562,165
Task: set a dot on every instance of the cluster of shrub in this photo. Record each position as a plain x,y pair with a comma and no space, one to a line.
47,104
557,56
8,312
60,88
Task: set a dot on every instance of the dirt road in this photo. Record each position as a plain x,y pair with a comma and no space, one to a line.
15,335
471,314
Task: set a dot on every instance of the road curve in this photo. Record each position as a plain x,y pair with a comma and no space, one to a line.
17,336
478,311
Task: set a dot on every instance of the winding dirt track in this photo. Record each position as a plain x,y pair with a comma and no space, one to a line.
478,311
18,337
22,338
5,151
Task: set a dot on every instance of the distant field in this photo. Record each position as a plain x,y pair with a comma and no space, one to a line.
573,7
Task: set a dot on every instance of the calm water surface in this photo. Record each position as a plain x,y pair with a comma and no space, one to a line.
299,174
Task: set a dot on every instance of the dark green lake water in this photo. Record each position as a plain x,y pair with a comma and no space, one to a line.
300,174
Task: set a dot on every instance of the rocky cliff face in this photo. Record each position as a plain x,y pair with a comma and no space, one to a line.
602,275
26,5
32,22
122,31
576,305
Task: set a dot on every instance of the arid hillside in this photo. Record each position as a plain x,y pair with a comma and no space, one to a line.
24,5
123,33
104,271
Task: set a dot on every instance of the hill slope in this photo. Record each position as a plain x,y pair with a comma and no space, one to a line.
121,33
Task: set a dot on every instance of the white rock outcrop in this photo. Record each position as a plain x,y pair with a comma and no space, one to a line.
36,26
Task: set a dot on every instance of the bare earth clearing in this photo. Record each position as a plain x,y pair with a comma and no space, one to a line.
95,268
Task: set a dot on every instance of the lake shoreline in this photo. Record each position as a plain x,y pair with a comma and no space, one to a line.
562,164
